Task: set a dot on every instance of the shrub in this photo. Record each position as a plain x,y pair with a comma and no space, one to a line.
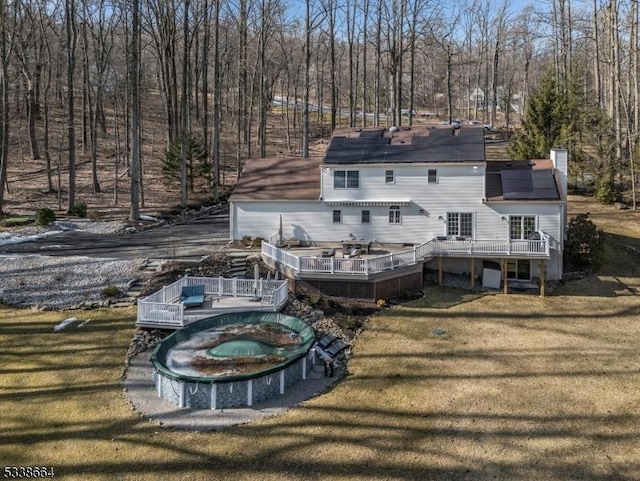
111,291
45,216
351,323
314,301
356,310
332,303
246,240
584,242
257,242
79,209
606,192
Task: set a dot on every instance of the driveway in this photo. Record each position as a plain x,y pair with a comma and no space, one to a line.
188,240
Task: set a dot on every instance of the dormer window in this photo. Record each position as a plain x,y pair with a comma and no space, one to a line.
346,179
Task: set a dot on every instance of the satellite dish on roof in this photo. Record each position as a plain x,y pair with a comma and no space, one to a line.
393,129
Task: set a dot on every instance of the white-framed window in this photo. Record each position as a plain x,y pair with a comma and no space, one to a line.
521,226
432,176
366,217
389,178
346,179
337,216
460,224
394,215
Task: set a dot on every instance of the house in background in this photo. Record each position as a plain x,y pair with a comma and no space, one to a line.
384,205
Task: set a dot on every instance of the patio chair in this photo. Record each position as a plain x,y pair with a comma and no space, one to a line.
352,253
192,296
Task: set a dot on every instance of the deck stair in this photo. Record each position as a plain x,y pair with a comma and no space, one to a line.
135,287
238,264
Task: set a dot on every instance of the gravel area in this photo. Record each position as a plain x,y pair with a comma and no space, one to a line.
44,282
62,226
61,282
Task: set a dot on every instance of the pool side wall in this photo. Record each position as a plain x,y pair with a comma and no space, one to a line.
198,395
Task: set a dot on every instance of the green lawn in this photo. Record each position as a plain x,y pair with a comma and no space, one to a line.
519,388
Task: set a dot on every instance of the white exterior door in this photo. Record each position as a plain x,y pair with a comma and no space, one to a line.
521,227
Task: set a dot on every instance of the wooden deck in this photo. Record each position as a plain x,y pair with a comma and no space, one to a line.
305,262
163,310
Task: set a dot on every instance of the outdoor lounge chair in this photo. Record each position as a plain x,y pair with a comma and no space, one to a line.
331,345
336,348
327,339
191,296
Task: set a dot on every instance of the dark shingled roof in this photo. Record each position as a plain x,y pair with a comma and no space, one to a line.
521,180
279,179
406,145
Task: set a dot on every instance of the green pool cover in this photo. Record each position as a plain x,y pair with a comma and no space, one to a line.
241,348
237,348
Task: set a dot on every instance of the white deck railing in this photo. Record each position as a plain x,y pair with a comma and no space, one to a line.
162,308
434,247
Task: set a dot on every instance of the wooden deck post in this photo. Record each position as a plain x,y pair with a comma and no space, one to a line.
542,273
504,274
473,273
439,271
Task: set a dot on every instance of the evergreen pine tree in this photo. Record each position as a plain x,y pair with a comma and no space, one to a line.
543,122
567,118
198,165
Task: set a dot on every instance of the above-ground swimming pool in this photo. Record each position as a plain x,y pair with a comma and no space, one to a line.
232,360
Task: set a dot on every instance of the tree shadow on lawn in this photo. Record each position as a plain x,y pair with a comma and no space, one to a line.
598,286
351,443
356,431
512,310
346,443
618,272
621,256
444,297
